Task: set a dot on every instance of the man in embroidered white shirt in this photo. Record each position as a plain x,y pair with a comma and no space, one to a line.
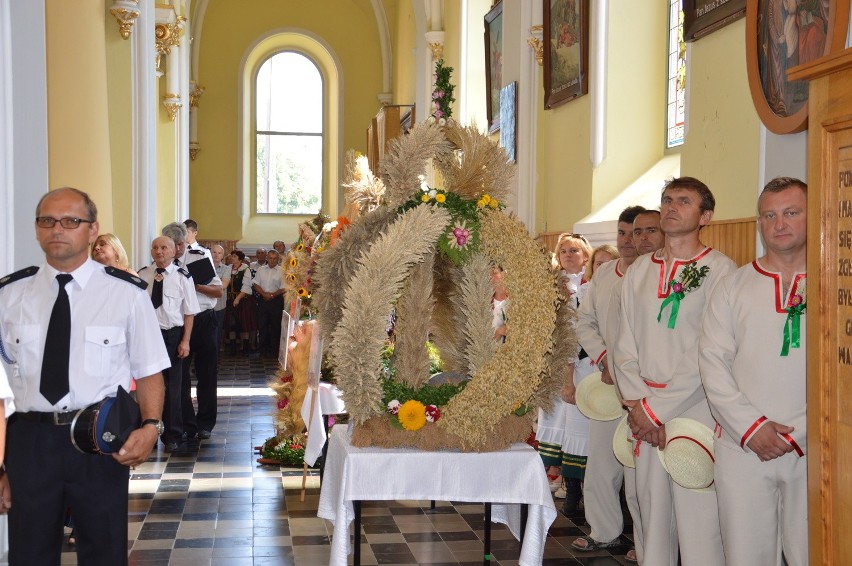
657,372
753,366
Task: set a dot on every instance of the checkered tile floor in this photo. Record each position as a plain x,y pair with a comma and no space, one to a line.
214,504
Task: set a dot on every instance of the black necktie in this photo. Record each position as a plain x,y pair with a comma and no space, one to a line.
57,347
157,289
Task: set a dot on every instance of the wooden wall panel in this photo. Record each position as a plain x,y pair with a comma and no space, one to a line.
734,238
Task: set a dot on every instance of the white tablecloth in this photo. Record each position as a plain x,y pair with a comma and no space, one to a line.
507,479
328,403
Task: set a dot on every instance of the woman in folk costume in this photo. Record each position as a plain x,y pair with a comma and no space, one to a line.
563,431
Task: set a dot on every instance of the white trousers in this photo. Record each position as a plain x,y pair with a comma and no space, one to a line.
673,516
763,507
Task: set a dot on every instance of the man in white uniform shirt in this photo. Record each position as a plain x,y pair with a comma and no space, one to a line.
73,331
173,295
203,348
663,298
604,473
268,282
753,365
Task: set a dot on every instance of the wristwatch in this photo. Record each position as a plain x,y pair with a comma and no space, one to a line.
161,428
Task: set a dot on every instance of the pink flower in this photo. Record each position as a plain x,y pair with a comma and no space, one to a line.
677,287
433,413
796,300
438,113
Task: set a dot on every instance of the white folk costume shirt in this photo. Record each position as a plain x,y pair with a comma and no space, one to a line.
655,363
222,272
195,252
747,379
178,294
114,334
592,316
270,279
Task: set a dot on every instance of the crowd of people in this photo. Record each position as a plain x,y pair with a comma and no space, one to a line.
686,337
673,324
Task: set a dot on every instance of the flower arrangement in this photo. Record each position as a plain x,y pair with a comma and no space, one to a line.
796,307
424,259
690,280
288,452
442,96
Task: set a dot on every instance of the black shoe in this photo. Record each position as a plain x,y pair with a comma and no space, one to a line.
203,434
172,447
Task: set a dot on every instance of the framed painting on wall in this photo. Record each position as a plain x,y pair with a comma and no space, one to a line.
509,119
566,50
780,35
703,17
493,64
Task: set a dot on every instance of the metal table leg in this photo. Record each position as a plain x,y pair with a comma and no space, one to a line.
356,558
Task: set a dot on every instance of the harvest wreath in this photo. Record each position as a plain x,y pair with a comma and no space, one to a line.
426,260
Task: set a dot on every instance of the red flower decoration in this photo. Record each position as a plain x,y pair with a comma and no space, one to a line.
283,403
433,413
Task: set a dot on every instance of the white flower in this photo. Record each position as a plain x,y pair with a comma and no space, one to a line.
432,193
393,406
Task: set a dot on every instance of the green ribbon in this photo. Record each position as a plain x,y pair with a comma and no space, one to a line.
674,299
792,328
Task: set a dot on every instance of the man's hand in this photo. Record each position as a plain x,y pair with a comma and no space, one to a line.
569,393
639,422
767,443
138,446
5,494
657,438
183,349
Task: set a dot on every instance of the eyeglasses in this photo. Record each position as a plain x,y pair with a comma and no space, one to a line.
67,222
572,235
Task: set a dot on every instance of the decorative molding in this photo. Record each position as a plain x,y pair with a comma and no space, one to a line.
537,43
435,42
385,98
168,35
172,104
125,13
195,92
194,148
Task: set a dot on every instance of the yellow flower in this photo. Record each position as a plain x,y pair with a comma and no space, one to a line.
440,197
412,415
480,203
293,262
424,198
291,278
302,292
486,198
300,247
493,203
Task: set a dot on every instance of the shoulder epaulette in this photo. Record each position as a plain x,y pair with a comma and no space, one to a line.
18,275
176,261
141,269
125,276
196,252
184,272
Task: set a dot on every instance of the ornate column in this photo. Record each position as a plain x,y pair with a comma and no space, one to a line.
168,33
195,92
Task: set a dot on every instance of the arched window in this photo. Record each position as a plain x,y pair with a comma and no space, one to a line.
676,91
289,130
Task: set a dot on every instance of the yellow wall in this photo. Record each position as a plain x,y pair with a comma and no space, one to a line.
723,140
119,96
452,45
404,68
166,162
78,129
231,27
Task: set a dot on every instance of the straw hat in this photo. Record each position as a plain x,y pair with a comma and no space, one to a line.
623,443
598,400
688,456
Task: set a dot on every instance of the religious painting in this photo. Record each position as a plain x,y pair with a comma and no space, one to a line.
702,17
566,50
509,119
782,34
493,64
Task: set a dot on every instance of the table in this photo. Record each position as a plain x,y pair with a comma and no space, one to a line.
507,479
328,403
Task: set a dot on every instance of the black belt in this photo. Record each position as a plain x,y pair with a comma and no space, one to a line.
202,313
47,418
171,330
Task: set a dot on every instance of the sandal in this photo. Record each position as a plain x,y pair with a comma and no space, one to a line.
593,545
631,556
